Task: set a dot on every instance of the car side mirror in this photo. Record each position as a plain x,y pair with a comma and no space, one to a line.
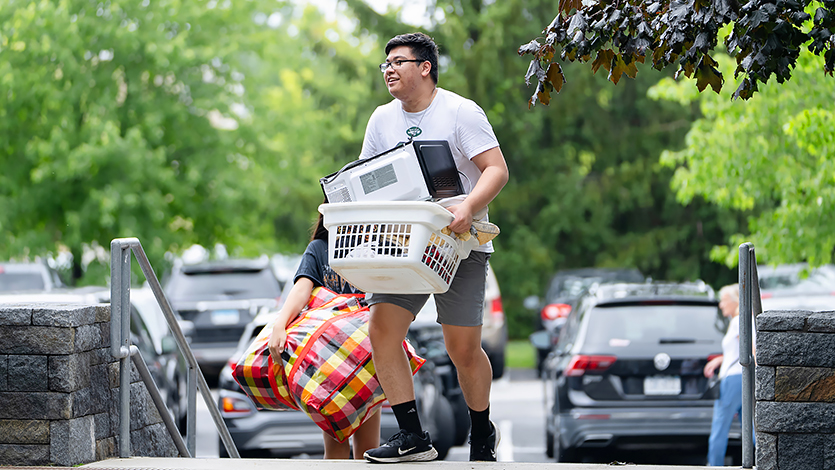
531,302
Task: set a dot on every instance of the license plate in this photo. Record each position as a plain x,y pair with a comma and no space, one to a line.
225,317
662,385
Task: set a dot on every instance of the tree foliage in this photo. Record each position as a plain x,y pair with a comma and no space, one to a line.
616,35
175,122
773,156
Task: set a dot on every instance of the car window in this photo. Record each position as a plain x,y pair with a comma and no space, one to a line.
622,326
142,337
20,281
224,286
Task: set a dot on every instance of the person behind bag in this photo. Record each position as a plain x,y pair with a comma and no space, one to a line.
314,271
421,110
729,402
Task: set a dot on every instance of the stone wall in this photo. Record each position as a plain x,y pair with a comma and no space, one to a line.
59,389
795,390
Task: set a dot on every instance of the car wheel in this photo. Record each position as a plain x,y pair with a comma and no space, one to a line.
497,362
442,426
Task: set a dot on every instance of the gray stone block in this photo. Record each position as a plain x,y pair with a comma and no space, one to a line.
160,443
800,451
829,451
142,408
114,374
788,417
100,356
103,430
35,405
72,315
764,389
766,449
88,337
15,315
795,349
782,320
24,455
805,384
28,373
73,441
106,448
104,328
24,431
821,322
69,373
102,313
4,373
36,340
84,403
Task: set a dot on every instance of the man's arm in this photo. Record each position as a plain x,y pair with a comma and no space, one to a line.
494,176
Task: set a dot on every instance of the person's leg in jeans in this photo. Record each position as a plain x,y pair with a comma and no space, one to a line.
724,409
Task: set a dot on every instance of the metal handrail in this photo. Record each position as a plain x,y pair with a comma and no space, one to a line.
750,305
120,347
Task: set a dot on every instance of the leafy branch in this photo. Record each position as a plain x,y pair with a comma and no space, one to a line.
765,39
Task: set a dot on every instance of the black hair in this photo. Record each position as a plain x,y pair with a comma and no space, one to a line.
318,230
422,46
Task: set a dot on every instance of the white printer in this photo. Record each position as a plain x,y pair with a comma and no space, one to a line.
411,171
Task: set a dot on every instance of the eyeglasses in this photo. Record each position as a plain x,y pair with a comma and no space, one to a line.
396,64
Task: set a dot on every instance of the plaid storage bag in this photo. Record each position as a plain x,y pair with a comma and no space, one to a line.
326,370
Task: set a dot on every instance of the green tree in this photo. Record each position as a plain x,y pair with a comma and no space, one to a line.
773,157
175,122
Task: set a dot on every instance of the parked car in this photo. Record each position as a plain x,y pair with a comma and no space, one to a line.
35,277
627,371
796,287
564,290
263,433
220,298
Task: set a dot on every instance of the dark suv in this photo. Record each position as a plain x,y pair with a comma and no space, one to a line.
220,298
626,373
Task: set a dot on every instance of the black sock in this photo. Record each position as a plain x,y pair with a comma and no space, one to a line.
480,422
407,417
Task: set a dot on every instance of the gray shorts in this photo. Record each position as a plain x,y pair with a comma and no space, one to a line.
461,305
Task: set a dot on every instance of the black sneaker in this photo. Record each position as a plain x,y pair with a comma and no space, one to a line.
485,449
403,447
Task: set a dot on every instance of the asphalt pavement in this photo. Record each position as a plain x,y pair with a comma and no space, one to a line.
145,463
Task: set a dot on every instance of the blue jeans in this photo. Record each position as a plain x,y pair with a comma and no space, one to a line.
724,409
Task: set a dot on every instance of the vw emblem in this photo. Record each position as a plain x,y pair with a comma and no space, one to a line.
661,361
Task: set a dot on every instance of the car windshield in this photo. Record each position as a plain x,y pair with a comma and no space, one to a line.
622,326
224,285
822,278
10,282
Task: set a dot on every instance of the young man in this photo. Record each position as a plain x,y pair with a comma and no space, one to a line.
422,111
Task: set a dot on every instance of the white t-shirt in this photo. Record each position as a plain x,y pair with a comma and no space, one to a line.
730,349
449,117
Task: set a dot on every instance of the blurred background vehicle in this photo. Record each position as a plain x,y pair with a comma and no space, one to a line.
796,287
34,276
494,329
564,290
627,372
220,298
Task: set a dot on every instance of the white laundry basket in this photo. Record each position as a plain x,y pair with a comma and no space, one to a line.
393,246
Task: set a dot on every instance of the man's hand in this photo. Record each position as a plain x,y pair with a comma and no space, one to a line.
463,217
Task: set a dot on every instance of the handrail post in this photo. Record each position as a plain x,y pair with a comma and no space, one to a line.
747,268
120,250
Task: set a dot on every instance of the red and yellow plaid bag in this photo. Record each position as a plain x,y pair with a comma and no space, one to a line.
327,370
